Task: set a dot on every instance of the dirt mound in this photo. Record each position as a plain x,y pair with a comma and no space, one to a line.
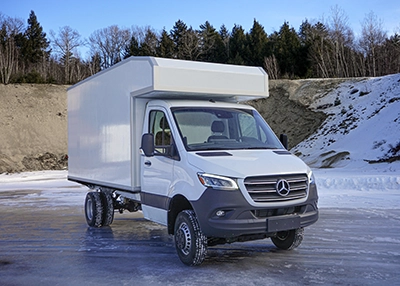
286,108
33,127
33,120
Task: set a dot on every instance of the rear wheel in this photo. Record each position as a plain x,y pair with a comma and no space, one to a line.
108,208
94,209
190,242
288,240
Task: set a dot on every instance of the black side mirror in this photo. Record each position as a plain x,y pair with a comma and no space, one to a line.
148,144
284,140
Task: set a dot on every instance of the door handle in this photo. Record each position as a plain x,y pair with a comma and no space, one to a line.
147,163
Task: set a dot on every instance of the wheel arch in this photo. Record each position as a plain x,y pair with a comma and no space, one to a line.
177,204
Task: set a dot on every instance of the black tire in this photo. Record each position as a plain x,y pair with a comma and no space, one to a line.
288,240
94,209
190,242
108,209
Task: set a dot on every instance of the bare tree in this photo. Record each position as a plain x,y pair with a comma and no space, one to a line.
343,41
10,28
109,43
191,45
271,67
65,44
372,38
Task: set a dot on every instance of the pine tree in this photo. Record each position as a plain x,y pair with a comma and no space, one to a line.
165,47
149,45
257,44
178,33
34,43
287,50
238,46
132,49
209,40
222,48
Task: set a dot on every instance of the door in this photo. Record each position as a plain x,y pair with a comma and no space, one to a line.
157,171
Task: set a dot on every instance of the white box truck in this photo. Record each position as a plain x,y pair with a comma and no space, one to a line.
169,138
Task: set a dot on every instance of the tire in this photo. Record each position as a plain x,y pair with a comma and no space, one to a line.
288,240
190,242
94,209
108,208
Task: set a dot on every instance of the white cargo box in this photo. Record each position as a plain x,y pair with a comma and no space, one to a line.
105,111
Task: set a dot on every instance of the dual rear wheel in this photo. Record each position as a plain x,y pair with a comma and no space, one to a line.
99,209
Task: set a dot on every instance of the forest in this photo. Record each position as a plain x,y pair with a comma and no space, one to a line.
323,49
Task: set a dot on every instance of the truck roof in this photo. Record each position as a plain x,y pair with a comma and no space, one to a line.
171,78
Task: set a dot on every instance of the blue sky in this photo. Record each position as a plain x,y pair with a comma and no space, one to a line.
88,16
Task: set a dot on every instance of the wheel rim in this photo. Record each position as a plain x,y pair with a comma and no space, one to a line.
89,209
282,235
183,238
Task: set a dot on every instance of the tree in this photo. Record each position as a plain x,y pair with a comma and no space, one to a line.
149,45
286,51
319,47
65,44
191,45
238,46
372,38
132,48
257,41
271,67
165,47
391,54
35,44
109,44
209,38
178,33
9,54
222,45
342,38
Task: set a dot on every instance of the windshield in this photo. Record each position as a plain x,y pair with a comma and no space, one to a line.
223,129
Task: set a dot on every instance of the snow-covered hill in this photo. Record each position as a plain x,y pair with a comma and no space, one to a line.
362,128
355,154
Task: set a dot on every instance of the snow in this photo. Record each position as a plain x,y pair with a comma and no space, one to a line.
47,188
337,188
363,125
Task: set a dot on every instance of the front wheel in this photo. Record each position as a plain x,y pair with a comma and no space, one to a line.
288,240
190,242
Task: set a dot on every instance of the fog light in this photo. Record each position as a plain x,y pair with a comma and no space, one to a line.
220,213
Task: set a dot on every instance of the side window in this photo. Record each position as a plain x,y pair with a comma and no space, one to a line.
159,127
250,128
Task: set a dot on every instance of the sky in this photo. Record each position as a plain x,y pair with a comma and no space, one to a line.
89,16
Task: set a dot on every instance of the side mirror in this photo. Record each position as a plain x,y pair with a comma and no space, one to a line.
148,144
284,140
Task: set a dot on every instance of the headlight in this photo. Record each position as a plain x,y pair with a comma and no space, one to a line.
217,182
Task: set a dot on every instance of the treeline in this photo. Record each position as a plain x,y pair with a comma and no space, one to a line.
322,49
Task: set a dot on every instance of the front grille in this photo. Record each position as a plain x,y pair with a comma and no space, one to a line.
262,189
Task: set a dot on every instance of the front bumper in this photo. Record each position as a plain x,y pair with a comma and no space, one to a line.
241,219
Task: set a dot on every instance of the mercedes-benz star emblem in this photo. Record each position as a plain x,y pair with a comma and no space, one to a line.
282,188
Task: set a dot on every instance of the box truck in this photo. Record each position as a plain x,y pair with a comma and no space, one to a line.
169,138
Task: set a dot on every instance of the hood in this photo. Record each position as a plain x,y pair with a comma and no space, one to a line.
244,163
